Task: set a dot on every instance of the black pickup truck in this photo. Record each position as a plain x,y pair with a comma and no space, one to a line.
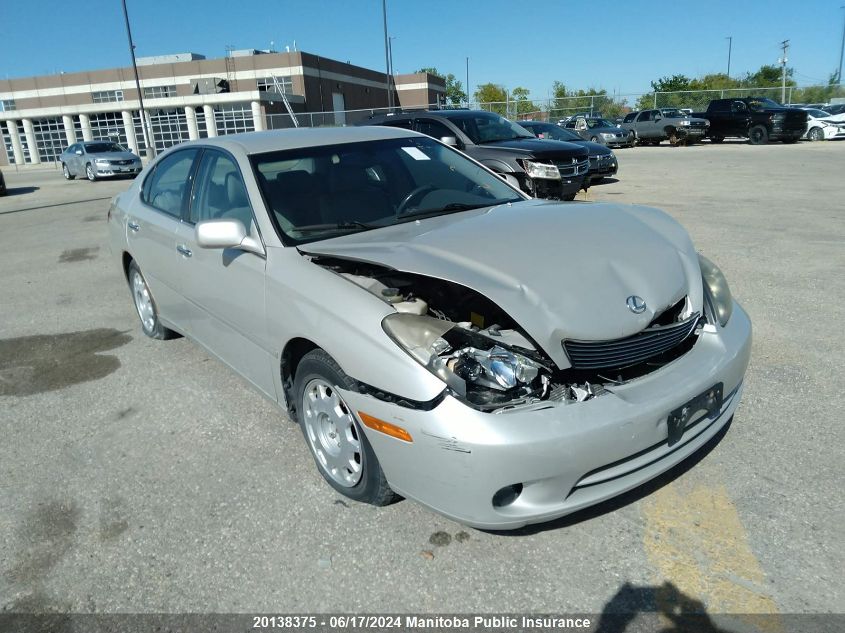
758,119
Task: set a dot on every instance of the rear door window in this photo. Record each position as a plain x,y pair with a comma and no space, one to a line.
220,193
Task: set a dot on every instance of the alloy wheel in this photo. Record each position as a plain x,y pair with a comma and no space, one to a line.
143,302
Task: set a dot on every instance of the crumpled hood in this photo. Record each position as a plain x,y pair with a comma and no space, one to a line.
560,270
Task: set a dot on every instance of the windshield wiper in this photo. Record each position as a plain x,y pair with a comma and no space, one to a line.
336,226
452,206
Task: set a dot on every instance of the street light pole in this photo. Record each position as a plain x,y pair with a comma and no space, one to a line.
145,128
467,82
730,45
387,55
841,50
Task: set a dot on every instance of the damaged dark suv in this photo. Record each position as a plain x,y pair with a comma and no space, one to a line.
544,169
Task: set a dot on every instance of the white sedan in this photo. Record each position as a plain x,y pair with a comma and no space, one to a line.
823,126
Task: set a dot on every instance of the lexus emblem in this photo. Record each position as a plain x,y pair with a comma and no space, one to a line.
636,304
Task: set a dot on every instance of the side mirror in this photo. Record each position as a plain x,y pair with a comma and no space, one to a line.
226,234
451,141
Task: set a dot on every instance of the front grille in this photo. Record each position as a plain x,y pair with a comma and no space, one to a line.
573,169
625,352
120,162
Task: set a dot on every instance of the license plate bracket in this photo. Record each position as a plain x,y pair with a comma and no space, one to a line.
710,400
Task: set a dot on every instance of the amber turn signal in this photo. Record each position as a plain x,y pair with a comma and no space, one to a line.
385,427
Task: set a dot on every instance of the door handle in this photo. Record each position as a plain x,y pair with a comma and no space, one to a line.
133,226
184,250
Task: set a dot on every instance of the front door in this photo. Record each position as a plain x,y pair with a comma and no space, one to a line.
225,287
152,227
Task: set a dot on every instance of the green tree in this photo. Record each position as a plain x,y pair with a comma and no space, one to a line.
491,97
523,104
455,94
769,76
568,102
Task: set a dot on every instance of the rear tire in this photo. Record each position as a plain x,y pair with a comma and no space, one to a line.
343,455
66,172
758,135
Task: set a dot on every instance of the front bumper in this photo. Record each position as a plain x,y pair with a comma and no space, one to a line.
106,171
603,166
566,456
548,189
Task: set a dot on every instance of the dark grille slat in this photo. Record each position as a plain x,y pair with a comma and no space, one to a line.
631,350
643,343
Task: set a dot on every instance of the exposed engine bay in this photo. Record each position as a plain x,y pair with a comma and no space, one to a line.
483,355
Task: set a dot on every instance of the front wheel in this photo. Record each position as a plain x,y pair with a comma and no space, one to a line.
89,172
758,135
343,455
145,306
66,172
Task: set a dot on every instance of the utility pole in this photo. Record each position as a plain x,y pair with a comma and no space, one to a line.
730,45
145,128
467,82
390,54
785,46
387,55
841,50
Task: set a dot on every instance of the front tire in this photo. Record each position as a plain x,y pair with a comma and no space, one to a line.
343,455
66,172
758,135
90,173
145,306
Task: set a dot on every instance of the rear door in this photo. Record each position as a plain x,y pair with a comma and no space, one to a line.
152,226
225,287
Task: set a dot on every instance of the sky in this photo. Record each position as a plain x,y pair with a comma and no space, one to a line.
619,46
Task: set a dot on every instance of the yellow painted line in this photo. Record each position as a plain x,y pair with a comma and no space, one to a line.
699,547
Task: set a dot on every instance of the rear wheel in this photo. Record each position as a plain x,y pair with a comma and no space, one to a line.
343,455
66,172
758,135
90,173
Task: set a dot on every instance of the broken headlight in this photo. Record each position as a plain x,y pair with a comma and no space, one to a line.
717,289
540,170
474,366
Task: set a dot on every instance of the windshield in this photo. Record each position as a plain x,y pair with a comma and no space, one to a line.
315,193
819,114
763,104
596,123
487,127
100,148
549,130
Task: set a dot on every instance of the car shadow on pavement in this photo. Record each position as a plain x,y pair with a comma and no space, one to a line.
625,498
662,609
607,180
19,191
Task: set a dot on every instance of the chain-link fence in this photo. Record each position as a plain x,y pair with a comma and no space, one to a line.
608,106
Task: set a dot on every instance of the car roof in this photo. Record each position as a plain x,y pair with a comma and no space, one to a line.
279,140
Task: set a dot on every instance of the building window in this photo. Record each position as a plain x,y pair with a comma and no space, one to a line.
266,84
50,138
108,126
159,92
232,119
7,142
7,105
107,96
169,127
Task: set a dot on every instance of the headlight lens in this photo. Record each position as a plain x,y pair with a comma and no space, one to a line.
607,135
101,161
718,289
540,170
467,362
683,122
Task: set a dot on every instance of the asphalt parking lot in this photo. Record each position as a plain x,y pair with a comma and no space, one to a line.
143,476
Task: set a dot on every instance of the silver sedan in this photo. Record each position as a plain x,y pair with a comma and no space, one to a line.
99,159
435,333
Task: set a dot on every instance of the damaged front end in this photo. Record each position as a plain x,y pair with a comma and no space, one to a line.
488,361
